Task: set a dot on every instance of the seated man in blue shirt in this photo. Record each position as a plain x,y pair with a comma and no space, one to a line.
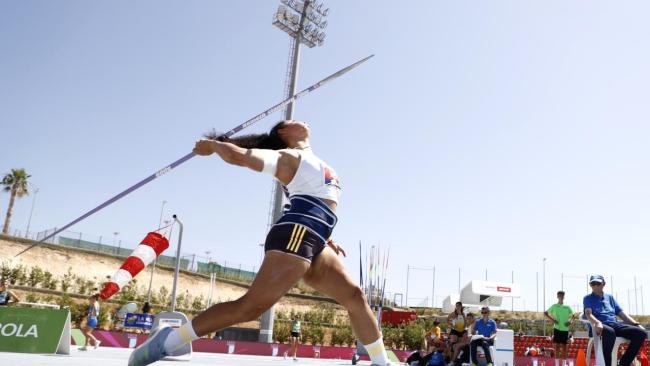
488,329
601,310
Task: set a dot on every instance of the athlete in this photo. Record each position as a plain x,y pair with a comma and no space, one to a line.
298,246
295,338
91,323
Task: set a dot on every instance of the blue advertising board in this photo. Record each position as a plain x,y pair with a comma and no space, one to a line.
142,321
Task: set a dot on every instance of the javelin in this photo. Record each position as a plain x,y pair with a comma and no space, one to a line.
191,155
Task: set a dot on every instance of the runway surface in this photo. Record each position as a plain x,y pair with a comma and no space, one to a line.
105,356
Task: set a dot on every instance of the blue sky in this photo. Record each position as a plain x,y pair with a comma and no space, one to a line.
482,135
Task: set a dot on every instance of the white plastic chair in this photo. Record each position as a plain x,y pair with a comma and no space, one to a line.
590,344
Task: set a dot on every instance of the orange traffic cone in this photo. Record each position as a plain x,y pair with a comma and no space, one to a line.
581,359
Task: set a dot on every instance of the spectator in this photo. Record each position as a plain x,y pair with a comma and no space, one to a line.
487,328
146,308
436,359
433,336
91,323
457,321
601,310
6,295
461,348
561,316
414,359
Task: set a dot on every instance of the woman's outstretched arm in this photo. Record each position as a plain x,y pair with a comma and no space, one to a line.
279,163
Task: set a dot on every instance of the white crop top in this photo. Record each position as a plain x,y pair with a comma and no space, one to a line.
314,178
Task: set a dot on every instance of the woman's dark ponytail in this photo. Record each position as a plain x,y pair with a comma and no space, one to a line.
269,141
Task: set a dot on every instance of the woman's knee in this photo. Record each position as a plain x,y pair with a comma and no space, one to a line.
353,297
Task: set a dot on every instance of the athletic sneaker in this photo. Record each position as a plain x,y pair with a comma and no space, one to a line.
84,348
153,349
285,355
97,344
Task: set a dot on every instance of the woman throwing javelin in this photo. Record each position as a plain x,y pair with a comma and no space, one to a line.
298,246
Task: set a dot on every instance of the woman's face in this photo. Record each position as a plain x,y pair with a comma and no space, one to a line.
293,131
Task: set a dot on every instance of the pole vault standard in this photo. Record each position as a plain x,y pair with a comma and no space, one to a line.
187,157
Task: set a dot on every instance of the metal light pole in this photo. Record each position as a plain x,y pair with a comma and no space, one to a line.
153,265
303,21
537,291
636,299
433,287
544,291
408,271
31,212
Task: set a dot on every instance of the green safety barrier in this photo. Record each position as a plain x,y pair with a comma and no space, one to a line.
29,330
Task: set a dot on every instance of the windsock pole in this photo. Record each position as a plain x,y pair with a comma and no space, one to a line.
178,261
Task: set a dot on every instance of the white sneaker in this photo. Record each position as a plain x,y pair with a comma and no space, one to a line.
97,344
285,355
295,359
84,348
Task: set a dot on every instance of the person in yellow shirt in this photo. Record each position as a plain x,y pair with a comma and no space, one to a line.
433,336
457,321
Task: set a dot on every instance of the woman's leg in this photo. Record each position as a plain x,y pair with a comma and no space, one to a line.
277,275
296,342
84,330
328,276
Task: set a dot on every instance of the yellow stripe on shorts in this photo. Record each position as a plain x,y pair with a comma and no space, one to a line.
293,234
298,241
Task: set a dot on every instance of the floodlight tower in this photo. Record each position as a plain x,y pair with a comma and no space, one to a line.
304,21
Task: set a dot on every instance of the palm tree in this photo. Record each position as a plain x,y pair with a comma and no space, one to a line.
16,184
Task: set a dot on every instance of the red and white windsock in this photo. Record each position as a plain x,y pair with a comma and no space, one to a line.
152,245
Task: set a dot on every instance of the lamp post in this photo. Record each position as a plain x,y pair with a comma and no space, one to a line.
544,292
304,22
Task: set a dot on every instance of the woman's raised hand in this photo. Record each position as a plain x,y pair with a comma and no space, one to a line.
204,147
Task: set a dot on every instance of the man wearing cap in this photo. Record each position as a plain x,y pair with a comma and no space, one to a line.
601,310
487,328
6,296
